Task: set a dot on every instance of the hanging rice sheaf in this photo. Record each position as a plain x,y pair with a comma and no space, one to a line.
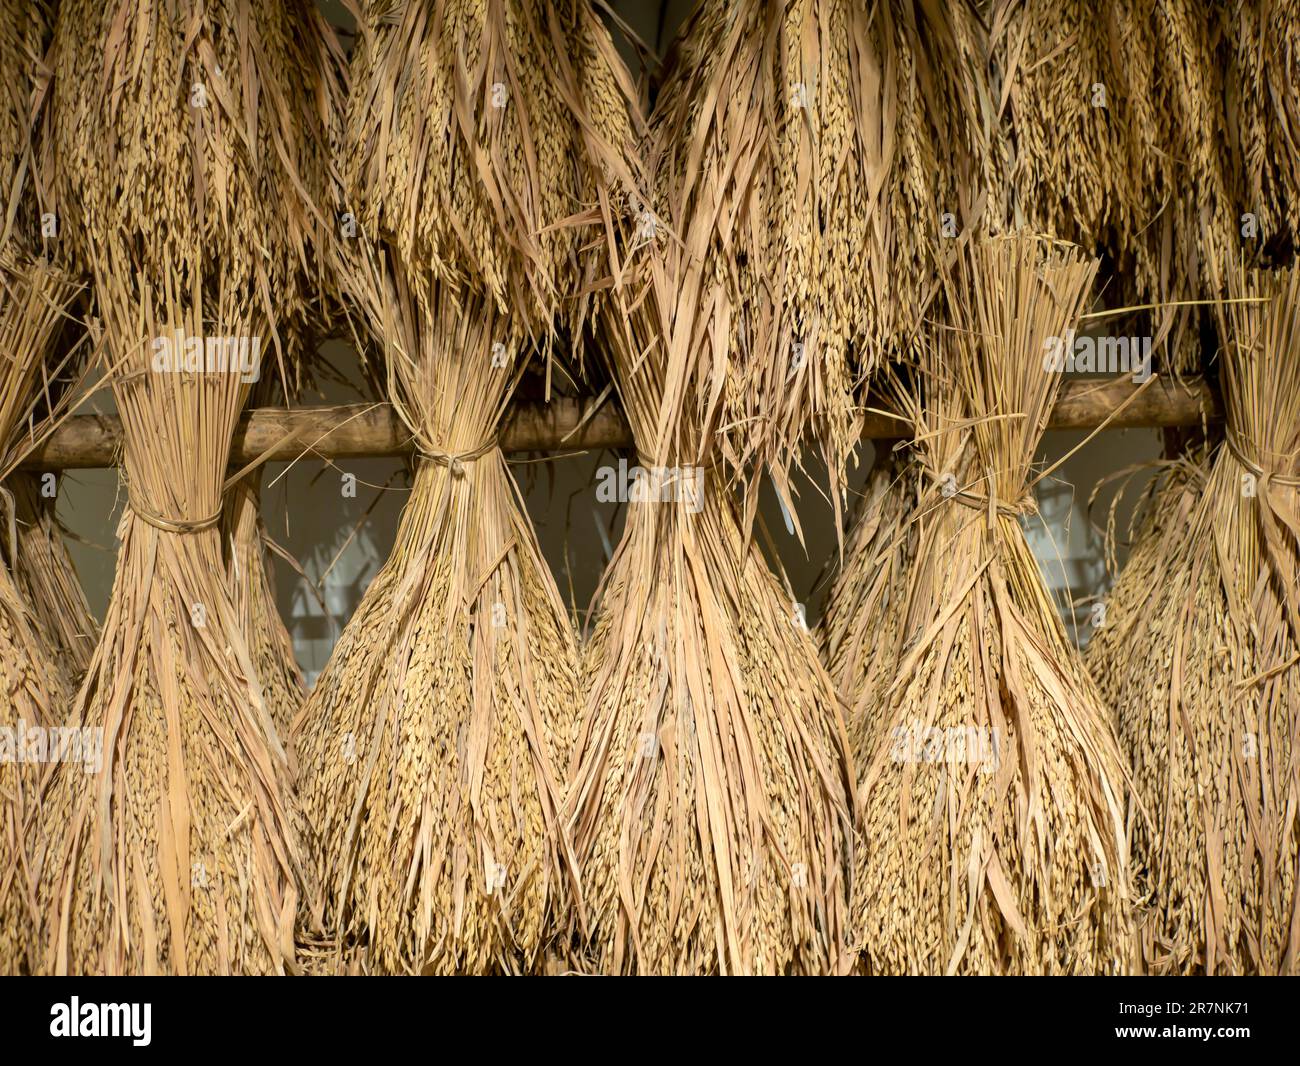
1263,70
25,27
37,372
36,680
434,745
830,144
1198,656
710,800
192,149
1117,129
471,170
992,790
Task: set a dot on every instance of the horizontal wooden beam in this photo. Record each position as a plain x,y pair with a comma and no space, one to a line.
361,430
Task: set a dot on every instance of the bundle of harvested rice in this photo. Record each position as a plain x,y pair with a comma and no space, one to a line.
192,147
992,790
35,680
1263,69
829,145
433,743
1127,158
25,27
1198,655
517,123
179,855
196,137
709,801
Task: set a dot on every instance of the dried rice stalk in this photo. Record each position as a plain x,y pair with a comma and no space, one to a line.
823,142
433,743
1116,118
35,680
996,844
710,789
48,578
180,856
1198,654
469,169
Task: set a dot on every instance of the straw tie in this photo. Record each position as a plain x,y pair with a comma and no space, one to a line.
983,501
1235,442
455,461
171,525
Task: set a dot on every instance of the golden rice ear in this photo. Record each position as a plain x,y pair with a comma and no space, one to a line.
222,135
968,704
1198,656
1136,160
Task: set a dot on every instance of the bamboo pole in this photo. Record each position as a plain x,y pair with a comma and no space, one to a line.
364,430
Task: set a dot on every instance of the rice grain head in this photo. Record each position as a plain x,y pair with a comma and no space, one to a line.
517,127
1119,143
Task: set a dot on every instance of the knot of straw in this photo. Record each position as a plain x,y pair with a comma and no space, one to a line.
171,525
1026,505
455,461
1236,446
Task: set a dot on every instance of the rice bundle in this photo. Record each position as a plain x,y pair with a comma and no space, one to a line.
34,297
24,34
35,680
1263,70
192,144
992,790
517,125
434,743
710,796
1117,129
831,144
1198,655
